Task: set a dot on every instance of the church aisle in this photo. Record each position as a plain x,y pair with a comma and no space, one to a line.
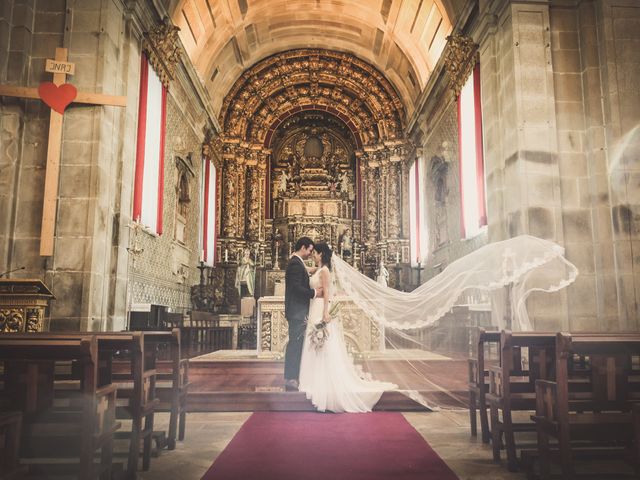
447,432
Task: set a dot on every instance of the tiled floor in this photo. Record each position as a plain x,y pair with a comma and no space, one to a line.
208,434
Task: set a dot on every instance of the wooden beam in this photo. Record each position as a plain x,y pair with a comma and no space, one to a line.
82,97
52,174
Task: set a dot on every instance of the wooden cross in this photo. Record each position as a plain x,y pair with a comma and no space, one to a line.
57,95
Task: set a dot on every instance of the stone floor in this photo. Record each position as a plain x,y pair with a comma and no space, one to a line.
209,433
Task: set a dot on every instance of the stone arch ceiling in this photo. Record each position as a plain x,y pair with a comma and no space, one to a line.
401,38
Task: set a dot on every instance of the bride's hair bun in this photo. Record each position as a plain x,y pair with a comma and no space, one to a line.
325,253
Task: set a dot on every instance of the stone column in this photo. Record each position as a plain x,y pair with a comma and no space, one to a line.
21,140
610,33
518,94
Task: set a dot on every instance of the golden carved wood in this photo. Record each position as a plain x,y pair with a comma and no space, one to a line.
162,46
461,55
23,305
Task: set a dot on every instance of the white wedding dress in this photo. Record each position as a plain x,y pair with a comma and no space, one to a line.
328,376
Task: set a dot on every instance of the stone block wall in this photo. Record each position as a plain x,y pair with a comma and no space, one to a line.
91,272
617,29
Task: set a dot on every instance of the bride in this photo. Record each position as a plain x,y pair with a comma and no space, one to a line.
328,375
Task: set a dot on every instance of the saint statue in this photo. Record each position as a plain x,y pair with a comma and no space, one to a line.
346,244
246,273
344,183
284,178
383,274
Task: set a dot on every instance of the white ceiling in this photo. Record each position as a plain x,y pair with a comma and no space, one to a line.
402,38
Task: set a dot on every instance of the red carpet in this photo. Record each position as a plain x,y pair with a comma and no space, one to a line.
309,446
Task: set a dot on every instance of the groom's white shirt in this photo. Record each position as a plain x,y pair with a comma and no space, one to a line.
315,292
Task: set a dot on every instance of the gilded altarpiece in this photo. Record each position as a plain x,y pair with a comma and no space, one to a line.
312,143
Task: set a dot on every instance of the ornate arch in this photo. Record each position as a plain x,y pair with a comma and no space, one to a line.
338,82
256,190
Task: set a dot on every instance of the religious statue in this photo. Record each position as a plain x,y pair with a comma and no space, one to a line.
246,273
284,178
383,274
346,244
344,183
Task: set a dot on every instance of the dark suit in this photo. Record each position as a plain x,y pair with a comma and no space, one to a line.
297,295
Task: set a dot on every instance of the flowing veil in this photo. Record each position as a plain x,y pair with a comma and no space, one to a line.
424,339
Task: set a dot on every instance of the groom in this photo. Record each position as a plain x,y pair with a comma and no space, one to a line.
296,309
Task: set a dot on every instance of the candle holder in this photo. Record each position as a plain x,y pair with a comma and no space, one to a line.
398,269
419,268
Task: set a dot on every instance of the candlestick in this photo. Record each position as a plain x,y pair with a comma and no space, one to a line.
226,256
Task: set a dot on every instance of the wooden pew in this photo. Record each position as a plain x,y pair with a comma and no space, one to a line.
10,429
78,430
136,392
172,379
604,414
478,382
135,386
512,386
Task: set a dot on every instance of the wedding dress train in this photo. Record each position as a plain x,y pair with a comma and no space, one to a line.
328,375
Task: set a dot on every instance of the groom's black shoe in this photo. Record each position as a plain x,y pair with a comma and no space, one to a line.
291,385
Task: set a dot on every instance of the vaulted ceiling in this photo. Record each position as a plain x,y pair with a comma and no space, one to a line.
403,39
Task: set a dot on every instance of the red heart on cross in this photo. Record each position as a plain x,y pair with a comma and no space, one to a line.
57,97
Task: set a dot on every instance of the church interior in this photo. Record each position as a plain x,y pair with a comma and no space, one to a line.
159,159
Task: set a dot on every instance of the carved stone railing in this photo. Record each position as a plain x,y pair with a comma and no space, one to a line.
361,335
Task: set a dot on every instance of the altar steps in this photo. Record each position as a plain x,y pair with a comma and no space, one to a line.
282,401
222,382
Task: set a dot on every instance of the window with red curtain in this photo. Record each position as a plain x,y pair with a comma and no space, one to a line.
417,212
208,213
149,175
472,188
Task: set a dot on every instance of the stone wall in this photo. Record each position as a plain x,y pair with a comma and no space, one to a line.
90,168
91,273
442,213
164,272
561,111
557,80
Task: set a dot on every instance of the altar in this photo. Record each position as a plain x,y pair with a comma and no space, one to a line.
362,336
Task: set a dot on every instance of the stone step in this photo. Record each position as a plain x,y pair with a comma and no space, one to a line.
281,401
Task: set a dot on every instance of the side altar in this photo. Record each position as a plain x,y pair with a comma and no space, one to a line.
361,335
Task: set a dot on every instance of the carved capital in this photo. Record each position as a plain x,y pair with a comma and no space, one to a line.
163,49
461,55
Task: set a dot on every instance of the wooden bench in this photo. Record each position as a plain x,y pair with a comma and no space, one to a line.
10,430
78,429
478,382
172,383
601,412
135,386
512,386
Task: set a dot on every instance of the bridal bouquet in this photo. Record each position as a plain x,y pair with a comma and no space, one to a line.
319,334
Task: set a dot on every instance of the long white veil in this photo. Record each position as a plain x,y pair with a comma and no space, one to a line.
415,325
